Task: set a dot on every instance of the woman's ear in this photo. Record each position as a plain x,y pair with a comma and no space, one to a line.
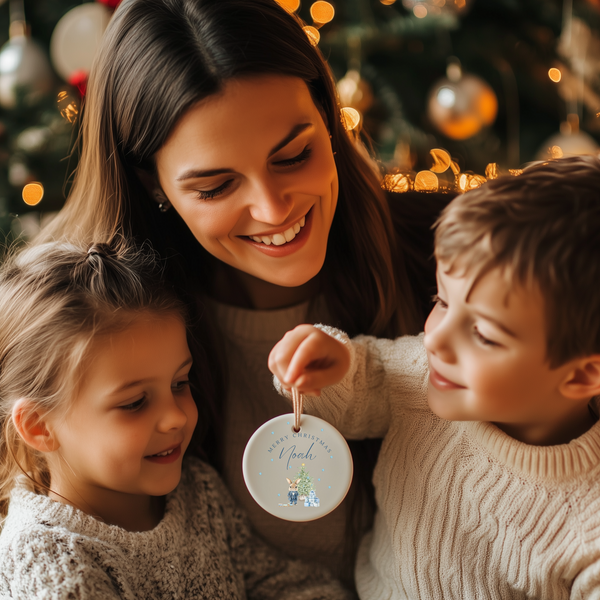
32,427
583,380
152,186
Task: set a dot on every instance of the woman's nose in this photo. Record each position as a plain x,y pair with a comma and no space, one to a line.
270,204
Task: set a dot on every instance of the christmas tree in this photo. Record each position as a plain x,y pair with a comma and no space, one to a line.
305,485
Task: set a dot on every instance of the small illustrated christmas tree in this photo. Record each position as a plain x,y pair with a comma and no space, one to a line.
305,485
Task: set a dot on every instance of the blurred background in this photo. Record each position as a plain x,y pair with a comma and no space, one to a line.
447,92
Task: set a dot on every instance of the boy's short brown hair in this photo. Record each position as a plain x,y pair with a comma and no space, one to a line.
542,228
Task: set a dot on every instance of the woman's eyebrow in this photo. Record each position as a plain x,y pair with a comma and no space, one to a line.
196,173
295,132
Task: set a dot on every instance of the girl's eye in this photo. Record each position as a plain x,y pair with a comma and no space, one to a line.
303,156
210,194
437,300
485,341
133,406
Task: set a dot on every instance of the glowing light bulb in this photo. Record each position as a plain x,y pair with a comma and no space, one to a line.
441,160
426,181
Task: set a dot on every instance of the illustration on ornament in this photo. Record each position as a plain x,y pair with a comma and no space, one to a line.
302,489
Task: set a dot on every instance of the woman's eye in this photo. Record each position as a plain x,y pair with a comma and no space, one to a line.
304,155
210,194
133,406
483,339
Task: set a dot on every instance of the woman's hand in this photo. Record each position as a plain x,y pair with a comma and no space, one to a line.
308,359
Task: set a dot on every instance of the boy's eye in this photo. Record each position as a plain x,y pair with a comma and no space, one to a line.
133,406
437,300
304,155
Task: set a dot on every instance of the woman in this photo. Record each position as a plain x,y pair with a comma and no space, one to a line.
212,129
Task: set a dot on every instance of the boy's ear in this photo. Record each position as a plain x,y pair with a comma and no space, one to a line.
583,380
32,427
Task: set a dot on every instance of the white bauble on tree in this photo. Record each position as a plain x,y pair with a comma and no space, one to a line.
76,38
23,67
461,105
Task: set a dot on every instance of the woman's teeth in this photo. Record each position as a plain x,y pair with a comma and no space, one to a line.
165,453
280,238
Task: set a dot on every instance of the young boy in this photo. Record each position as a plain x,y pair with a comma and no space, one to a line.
488,480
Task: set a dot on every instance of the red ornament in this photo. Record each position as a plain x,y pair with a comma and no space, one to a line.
79,79
110,3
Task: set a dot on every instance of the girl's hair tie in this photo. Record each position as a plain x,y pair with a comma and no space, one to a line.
101,250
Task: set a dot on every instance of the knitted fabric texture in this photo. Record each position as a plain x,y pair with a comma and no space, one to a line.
202,548
464,510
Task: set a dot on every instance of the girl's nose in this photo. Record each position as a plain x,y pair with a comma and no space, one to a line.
172,418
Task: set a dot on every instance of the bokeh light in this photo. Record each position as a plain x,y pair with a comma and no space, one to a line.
420,11
313,34
426,181
441,160
322,12
67,106
33,193
289,5
555,74
350,118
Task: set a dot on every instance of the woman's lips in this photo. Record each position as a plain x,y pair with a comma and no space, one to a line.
289,247
441,383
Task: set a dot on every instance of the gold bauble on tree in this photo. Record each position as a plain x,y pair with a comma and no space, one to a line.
461,105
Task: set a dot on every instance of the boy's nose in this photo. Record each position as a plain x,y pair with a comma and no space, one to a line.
438,341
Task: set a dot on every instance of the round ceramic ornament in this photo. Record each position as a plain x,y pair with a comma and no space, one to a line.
297,467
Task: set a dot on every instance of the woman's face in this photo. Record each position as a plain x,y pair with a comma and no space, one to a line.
251,172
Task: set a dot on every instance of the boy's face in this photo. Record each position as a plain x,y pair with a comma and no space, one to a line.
486,346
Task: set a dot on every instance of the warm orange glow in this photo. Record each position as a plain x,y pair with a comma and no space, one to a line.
398,182
313,34
387,2
67,106
350,118
491,171
289,5
555,75
556,152
420,11
426,181
33,193
468,182
322,12
441,160
487,106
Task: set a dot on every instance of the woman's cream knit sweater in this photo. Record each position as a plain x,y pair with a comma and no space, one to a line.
465,511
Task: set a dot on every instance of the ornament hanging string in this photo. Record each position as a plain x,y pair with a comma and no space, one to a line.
297,401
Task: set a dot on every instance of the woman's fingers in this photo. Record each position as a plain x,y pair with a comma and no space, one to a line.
283,352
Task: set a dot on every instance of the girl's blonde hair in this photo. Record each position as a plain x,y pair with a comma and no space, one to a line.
55,298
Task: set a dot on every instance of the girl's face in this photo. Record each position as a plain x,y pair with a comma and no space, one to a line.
124,437
251,171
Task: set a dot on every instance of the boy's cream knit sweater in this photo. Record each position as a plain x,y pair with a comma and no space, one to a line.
465,511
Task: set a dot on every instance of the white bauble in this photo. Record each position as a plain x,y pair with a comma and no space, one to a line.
23,65
76,38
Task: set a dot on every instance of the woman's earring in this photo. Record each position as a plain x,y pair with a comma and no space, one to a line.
163,201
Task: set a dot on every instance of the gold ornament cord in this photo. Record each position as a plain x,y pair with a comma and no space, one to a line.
297,401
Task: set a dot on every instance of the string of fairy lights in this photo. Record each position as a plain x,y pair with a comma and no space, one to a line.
444,173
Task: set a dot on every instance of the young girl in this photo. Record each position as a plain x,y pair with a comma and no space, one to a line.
97,413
